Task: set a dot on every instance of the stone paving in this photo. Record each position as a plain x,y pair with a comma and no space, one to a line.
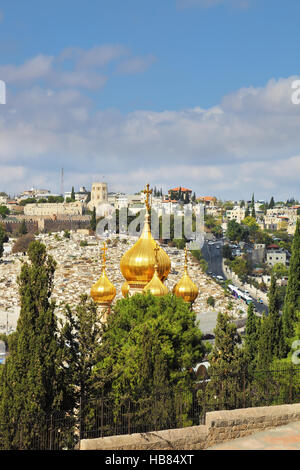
78,267
281,438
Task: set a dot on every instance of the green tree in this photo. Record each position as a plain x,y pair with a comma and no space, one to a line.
23,229
227,363
227,252
237,232
251,334
93,223
79,338
3,239
72,194
253,207
292,299
211,301
275,333
271,203
4,211
136,329
30,380
264,351
279,270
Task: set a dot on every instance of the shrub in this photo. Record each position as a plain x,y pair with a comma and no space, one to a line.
211,301
22,243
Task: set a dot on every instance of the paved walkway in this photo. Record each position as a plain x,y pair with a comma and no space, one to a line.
281,438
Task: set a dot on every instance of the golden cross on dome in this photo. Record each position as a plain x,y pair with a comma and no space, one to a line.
104,249
147,192
185,257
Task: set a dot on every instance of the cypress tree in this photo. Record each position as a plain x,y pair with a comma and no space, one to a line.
72,194
3,239
30,378
23,229
272,203
251,334
292,297
275,330
227,364
253,214
80,334
93,222
264,357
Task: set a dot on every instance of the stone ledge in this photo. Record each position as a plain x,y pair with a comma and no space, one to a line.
221,426
170,439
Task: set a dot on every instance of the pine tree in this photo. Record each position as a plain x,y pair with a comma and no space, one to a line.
292,297
72,194
31,376
247,212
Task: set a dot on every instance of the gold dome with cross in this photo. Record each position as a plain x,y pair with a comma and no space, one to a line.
103,291
137,264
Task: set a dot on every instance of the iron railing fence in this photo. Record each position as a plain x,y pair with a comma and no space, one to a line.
177,407
187,407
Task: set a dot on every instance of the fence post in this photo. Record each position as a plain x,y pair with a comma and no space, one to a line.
244,388
80,418
129,416
291,386
102,415
51,422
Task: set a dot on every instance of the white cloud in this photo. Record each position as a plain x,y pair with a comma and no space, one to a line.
85,68
248,143
32,70
136,64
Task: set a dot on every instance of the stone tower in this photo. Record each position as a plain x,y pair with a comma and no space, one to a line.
98,195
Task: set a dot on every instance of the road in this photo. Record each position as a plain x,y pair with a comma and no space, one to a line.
212,253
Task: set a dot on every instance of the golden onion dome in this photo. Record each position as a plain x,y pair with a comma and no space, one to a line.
185,287
155,286
137,264
125,289
103,291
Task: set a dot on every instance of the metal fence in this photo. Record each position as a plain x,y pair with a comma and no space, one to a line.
187,407
176,408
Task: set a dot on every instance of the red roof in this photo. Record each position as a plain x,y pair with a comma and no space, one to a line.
182,189
273,246
206,198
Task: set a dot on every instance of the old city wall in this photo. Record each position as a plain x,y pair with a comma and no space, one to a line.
47,225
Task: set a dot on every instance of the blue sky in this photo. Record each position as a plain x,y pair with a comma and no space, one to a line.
190,92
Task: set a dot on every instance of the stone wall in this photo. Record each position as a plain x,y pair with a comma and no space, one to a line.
220,426
226,425
13,227
256,293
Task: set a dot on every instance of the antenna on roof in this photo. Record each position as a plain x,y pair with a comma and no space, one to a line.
62,182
